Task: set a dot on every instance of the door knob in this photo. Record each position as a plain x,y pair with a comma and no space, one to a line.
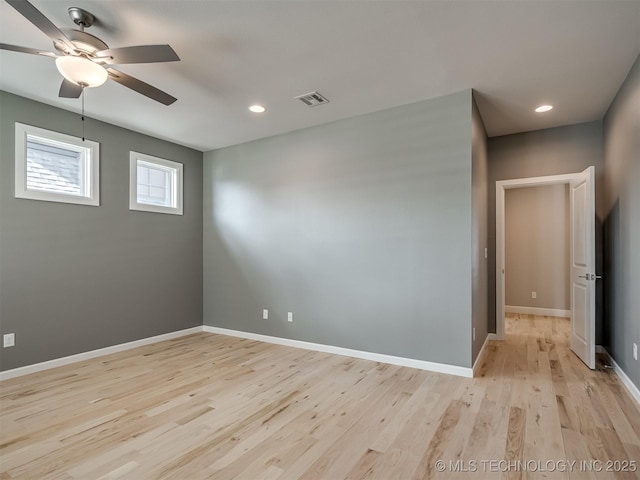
590,276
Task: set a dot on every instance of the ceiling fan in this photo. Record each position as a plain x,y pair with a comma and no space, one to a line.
85,61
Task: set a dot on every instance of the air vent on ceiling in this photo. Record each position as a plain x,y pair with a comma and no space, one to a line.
312,99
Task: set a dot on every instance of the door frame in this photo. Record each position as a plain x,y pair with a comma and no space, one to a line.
501,187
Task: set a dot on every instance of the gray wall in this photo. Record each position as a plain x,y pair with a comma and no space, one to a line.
622,224
75,278
360,227
537,247
480,276
552,151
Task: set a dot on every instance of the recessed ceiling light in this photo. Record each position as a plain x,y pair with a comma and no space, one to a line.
543,108
257,109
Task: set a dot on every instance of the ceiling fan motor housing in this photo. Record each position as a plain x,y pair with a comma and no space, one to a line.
83,41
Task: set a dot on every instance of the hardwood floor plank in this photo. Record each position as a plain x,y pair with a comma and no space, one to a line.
365,466
436,448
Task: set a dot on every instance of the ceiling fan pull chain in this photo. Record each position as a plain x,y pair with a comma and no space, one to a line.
83,90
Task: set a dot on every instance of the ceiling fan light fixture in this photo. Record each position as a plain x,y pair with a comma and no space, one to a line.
81,71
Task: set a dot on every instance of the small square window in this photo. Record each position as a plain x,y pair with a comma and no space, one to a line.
155,184
55,167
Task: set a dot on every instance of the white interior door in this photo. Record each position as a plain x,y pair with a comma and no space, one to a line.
583,278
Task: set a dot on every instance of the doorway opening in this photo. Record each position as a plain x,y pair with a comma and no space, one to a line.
537,251
581,268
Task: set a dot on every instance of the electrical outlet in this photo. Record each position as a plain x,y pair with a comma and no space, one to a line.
635,351
289,316
265,314
9,340
474,334
534,295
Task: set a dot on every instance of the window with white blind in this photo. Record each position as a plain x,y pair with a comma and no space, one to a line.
155,184
55,167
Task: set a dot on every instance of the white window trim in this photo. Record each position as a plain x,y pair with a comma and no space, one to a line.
133,184
93,173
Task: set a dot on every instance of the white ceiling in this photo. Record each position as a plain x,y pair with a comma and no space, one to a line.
363,55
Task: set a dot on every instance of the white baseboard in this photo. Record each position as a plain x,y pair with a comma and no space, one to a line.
543,312
631,387
376,357
58,362
483,351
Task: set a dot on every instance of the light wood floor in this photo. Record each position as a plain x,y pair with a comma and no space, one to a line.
209,406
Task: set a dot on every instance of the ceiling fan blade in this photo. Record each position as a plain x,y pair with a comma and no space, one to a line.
69,89
139,54
140,87
36,17
32,51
